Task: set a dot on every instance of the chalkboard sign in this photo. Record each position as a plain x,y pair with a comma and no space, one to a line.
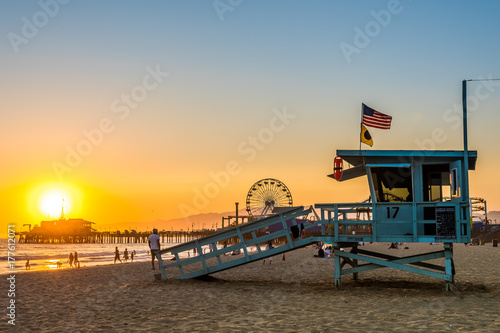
445,223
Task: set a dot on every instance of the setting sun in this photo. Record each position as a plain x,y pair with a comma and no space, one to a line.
52,203
47,200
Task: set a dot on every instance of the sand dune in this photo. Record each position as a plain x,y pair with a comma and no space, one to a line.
290,296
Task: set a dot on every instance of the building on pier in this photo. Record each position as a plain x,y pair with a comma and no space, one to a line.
60,230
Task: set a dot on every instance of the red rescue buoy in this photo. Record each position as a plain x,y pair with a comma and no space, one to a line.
337,167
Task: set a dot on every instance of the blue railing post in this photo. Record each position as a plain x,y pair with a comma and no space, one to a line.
415,225
336,222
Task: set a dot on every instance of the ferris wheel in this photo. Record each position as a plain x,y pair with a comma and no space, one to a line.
266,194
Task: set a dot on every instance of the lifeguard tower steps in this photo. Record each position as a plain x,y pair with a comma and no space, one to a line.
192,262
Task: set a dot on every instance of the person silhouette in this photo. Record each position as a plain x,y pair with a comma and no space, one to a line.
125,255
154,246
117,255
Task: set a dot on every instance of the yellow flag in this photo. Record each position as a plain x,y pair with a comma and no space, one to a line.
366,138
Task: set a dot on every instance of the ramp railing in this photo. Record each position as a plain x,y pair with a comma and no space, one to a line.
247,249
422,222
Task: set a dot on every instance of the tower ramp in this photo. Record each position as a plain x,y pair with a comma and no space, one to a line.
195,259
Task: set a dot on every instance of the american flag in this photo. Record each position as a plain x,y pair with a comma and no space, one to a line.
375,119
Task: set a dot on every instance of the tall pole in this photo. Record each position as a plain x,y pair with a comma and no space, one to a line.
485,214
466,146
236,203
360,133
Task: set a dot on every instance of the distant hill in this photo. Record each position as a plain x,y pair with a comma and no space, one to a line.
199,221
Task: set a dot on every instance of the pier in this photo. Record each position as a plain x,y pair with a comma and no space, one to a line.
108,237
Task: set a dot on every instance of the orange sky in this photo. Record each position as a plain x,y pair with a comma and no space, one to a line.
133,115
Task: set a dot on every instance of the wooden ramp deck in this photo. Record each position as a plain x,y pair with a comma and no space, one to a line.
250,236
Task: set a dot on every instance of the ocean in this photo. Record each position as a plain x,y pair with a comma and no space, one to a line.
46,256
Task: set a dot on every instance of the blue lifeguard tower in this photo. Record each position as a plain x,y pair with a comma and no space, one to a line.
416,196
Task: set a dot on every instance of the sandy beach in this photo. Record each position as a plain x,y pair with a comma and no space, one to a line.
295,295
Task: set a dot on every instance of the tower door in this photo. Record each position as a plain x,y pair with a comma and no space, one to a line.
456,180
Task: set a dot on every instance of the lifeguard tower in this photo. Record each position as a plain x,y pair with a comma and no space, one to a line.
416,196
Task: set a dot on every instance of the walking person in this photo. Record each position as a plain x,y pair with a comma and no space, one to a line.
71,259
154,245
117,255
75,260
125,255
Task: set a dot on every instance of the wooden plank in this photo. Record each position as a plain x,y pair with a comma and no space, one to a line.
397,264
440,254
